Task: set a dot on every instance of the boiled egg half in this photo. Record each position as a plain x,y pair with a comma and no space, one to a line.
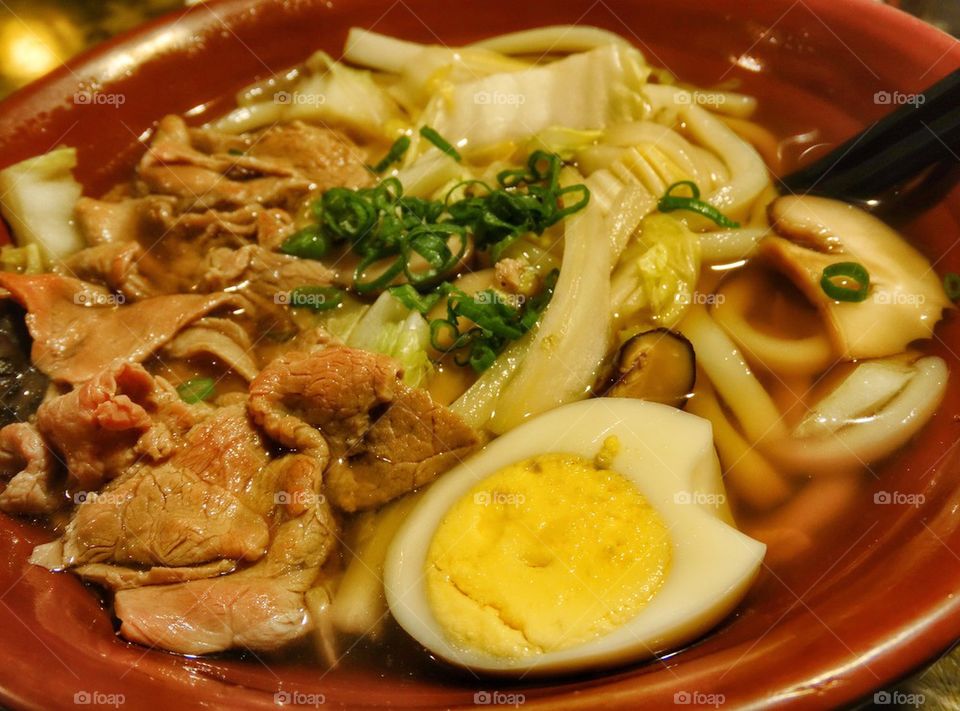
595,534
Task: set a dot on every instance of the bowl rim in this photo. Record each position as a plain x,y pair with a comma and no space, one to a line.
884,20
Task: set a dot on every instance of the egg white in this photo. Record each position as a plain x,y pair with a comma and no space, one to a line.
669,456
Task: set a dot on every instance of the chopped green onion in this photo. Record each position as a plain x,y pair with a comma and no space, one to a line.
196,390
847,271
413,299
670,202
394,155
440,142
951,284
235,152
391,232
495,320
316,298
308,243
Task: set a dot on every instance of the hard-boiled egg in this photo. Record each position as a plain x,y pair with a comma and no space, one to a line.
592,535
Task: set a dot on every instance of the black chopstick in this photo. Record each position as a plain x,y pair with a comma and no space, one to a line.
889,153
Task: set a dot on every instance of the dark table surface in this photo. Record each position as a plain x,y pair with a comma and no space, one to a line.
38,35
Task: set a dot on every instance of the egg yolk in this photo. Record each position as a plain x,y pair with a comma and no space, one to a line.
545,554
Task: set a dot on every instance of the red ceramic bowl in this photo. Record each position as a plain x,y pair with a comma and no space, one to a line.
874,600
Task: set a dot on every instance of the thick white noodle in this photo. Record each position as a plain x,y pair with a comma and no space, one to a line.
748,172
871,385
380,52
746,471
791,356
671,143
726,246
732,377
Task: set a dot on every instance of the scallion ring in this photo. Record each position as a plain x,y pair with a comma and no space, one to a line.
381,282
850,271
670,202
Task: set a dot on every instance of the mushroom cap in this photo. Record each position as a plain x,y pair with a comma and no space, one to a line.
905,299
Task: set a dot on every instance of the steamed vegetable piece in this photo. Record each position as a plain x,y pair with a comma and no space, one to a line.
847,272
423,70
526,200
478,404
319,602
381,224
394,155
430,173
433,136
606,81
951,284
657,274
37,197
324,91
905,297
391,328
419,242
658,365
571,341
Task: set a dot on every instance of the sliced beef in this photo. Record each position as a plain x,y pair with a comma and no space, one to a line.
78,329
348,406
163,515
123,218
250,223
268,275
113,265
407,447
304,400
277,167
221,339
210,499
327,158
208,616
119,417
259,608
29,470
228,451
156,220
118,577
213,500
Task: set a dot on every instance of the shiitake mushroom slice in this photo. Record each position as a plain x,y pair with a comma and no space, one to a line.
658,365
